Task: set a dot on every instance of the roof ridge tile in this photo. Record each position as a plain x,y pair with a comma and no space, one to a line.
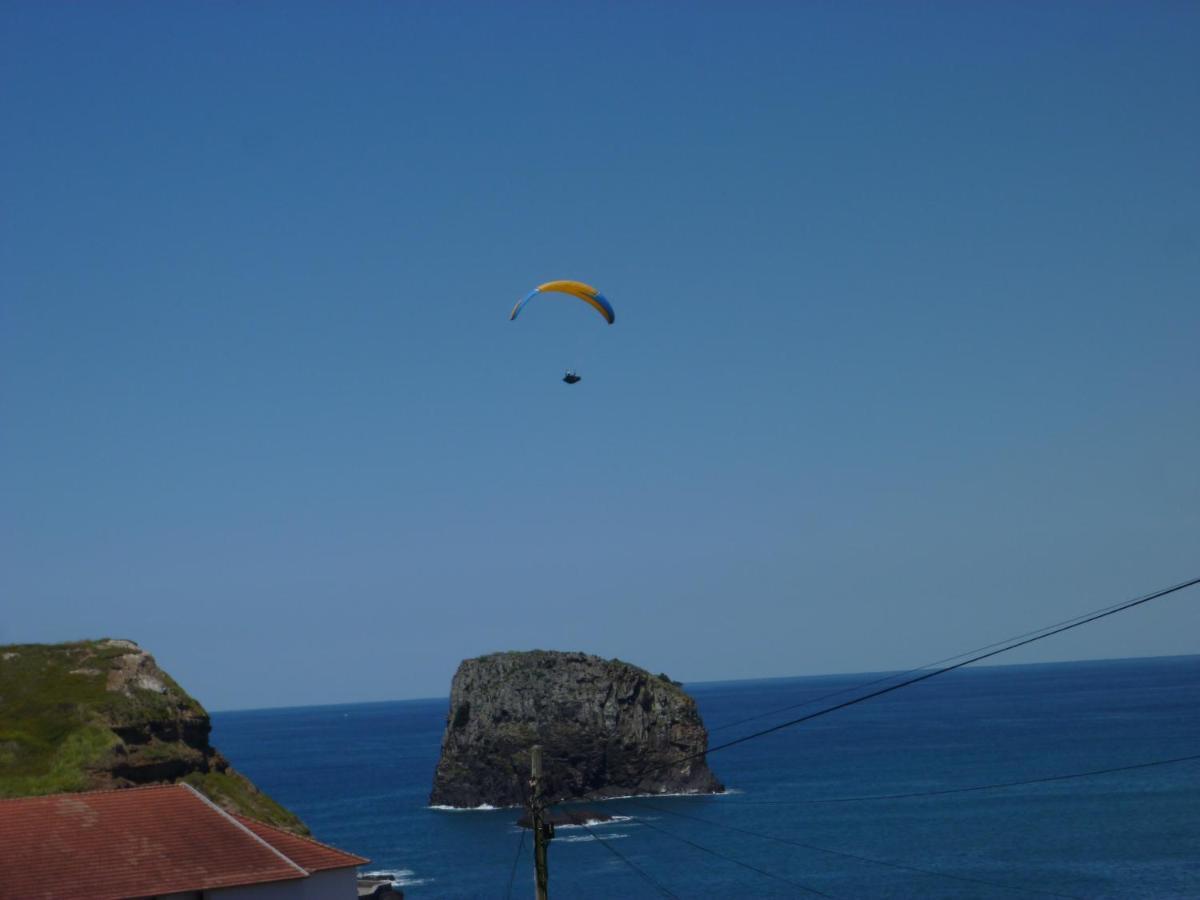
234,819
295,836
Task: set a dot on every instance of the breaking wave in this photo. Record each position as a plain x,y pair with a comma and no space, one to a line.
398,877
596,823
482,807
581,838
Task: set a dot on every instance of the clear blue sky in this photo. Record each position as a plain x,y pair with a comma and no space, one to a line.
905,361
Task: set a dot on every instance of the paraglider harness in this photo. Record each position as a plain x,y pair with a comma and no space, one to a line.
571,377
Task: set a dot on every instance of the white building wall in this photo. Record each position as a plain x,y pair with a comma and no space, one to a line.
272,890
334,884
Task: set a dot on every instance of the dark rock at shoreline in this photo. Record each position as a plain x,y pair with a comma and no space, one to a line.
379,888
607,729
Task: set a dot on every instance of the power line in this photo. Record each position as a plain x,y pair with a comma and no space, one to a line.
728,858
992,650
866,859
513,874
1004,646
1107,611
645,876
892,675
962,790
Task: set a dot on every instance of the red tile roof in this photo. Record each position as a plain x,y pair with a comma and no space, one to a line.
140,842
313,855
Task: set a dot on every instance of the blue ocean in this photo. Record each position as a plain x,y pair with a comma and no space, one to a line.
804,814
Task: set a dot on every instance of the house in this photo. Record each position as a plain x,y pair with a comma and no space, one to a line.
160,842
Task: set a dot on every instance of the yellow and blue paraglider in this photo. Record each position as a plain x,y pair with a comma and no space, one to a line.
584,292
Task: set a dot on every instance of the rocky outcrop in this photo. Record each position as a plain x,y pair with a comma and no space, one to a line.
607,728
95,715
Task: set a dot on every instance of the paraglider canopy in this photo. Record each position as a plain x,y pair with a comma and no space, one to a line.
584,292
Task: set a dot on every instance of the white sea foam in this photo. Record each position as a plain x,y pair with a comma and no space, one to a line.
653,796
485,807
398,877
387,873
412,882
581,838
594,823
482,807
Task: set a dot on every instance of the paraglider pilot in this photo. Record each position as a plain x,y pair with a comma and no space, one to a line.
584,292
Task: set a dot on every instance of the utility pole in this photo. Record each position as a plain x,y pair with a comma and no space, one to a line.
542,831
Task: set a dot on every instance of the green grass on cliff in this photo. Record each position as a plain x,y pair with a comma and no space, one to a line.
53,770
57,720
51,727
236,794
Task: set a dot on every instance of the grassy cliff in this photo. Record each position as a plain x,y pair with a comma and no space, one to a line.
101,714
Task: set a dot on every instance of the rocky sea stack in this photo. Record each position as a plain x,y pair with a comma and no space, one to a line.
607,729
95,715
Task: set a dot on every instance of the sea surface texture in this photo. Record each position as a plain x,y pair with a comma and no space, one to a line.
802,817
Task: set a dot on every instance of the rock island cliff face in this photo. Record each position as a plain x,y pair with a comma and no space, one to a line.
95,715
607,729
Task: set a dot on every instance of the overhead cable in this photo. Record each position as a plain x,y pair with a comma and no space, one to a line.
513,874
894,675
645,876
866,859
728,858
1107,611
962,790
